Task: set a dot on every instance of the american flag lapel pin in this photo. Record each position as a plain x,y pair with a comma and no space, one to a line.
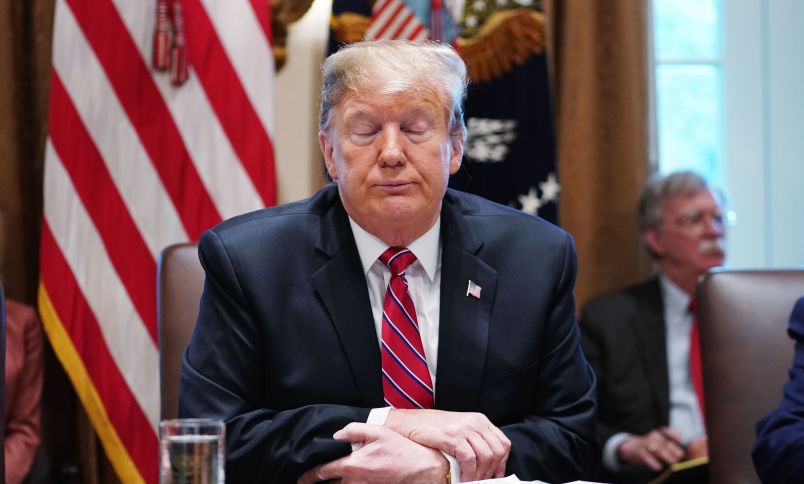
473,290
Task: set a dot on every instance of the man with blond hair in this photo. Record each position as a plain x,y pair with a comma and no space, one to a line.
389,329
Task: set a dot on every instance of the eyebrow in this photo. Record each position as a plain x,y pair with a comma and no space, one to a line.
358,113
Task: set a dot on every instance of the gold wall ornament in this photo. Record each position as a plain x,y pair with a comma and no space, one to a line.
349,27
506,39
284,13
280,56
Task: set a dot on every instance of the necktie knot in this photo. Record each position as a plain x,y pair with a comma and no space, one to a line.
397,259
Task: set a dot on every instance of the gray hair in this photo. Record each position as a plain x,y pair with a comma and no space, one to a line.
398,66
658,188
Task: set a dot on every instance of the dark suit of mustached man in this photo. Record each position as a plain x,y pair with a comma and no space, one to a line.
388,329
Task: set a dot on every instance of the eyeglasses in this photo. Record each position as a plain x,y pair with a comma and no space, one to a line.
699,219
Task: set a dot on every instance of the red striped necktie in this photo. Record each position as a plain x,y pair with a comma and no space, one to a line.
405,378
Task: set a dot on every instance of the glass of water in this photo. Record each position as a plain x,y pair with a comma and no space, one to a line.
191,451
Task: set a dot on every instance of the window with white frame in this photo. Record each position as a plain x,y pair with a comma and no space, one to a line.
729,103
688,76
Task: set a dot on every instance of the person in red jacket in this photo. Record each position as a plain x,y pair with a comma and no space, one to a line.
23,389
23,386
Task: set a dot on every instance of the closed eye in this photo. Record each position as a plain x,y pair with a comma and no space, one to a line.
362,126
362,135
417,130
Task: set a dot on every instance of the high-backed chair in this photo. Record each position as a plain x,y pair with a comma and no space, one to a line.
181,282
745,355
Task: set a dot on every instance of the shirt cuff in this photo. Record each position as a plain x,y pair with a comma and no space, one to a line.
610,459
454,468
376,416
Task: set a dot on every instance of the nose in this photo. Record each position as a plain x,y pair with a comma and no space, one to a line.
391,152
714,226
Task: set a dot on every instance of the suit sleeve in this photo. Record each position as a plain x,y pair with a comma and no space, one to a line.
778,452
557,441
222,377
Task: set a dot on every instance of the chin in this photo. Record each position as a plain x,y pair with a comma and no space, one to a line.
401,207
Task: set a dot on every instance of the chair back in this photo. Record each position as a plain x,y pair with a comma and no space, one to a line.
745,355
180,284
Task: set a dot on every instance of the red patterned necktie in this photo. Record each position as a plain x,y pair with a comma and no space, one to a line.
405,377
695,356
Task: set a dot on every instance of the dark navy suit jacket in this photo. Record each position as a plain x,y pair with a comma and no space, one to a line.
625,340
779,448
285,349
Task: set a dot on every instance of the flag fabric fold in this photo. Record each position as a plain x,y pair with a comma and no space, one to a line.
135,162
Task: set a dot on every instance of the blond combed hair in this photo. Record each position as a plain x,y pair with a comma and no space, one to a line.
396,66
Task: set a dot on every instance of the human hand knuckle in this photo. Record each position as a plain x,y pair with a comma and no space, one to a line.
465,454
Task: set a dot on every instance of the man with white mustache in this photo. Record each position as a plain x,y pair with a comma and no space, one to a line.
639,339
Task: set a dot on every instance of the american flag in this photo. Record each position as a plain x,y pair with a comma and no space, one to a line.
134,164
472,289
394,19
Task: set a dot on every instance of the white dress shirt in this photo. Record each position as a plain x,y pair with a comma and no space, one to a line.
685,414
424,286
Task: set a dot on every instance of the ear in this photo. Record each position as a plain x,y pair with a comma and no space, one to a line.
457,151
325,143
653,239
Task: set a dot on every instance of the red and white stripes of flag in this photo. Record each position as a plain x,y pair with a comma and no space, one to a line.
395,19
133,166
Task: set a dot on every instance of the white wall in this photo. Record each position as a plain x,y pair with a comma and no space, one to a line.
764,131
298,161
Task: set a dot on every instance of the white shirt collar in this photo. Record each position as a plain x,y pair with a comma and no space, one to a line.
675,298
425,248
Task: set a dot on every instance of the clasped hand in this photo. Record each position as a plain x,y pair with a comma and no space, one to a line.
659,448
408,449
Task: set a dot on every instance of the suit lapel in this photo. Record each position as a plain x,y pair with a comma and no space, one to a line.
464,319
650,328
342,286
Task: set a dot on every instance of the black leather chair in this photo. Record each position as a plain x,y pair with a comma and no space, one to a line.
180,284
745,354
